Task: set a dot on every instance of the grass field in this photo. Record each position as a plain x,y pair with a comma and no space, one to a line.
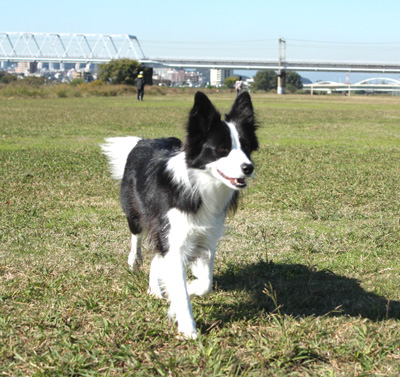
307,277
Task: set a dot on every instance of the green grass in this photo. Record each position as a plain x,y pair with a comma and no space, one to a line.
306,278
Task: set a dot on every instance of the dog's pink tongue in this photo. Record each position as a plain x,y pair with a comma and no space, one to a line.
238,182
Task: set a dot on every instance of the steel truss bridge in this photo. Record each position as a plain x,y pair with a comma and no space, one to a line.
68,48
101,48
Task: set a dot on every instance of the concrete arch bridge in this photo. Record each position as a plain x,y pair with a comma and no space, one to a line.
373,85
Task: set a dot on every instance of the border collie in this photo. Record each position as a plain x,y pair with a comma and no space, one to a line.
178,194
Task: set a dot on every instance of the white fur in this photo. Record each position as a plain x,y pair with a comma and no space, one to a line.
155,283
117,150
135,256
191,237
180,172
231,164
234,135
192,242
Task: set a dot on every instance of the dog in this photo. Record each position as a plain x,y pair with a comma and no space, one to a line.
179,194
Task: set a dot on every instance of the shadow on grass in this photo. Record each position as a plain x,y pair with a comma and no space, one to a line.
299,291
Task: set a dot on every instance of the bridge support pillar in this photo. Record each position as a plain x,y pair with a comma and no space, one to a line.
281,82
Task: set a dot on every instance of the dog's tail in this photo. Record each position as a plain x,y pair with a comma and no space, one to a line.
117,150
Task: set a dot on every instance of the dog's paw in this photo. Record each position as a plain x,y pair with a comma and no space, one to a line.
155,292
134,263
199,288
186,327
187,332
184,336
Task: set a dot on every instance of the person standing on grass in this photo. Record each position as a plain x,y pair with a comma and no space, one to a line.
238,86
140,86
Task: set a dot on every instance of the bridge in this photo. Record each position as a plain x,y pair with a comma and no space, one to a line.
68,48
101,48
273,65
372,85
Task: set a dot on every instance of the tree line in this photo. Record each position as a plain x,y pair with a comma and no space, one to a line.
125,71
268,80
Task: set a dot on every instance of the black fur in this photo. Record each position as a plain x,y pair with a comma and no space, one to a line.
208,137
148,190
242,114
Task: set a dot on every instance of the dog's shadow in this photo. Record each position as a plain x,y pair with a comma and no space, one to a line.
297,290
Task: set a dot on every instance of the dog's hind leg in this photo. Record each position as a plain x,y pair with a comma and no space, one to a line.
154,277
135,256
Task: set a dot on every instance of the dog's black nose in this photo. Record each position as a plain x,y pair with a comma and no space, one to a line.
247,169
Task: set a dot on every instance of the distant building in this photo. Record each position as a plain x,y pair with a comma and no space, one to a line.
170,76
26,67
192,77
86,76
218,76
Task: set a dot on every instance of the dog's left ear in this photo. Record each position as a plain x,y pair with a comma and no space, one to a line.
242,115
241,111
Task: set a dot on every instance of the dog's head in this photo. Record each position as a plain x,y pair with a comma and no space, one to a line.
222,148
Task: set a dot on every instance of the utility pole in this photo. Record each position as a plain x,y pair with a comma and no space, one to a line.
282,73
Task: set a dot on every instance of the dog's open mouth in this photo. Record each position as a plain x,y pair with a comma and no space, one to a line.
237,182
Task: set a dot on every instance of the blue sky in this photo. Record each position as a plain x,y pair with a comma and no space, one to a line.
325,30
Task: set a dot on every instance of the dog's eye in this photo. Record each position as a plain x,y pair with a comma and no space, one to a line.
222,149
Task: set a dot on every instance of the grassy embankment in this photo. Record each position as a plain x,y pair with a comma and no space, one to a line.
306,279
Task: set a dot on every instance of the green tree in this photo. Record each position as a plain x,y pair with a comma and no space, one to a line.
6,78
121,71
265,80
293,81
230,82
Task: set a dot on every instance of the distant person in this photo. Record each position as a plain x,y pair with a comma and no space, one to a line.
140,86
238,86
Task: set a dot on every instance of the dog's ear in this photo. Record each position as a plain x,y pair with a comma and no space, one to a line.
242,115
203,115
242,111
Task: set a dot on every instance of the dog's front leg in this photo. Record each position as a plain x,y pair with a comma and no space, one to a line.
202,268
175,285
174,272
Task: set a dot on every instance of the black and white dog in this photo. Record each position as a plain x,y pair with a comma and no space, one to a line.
179,195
